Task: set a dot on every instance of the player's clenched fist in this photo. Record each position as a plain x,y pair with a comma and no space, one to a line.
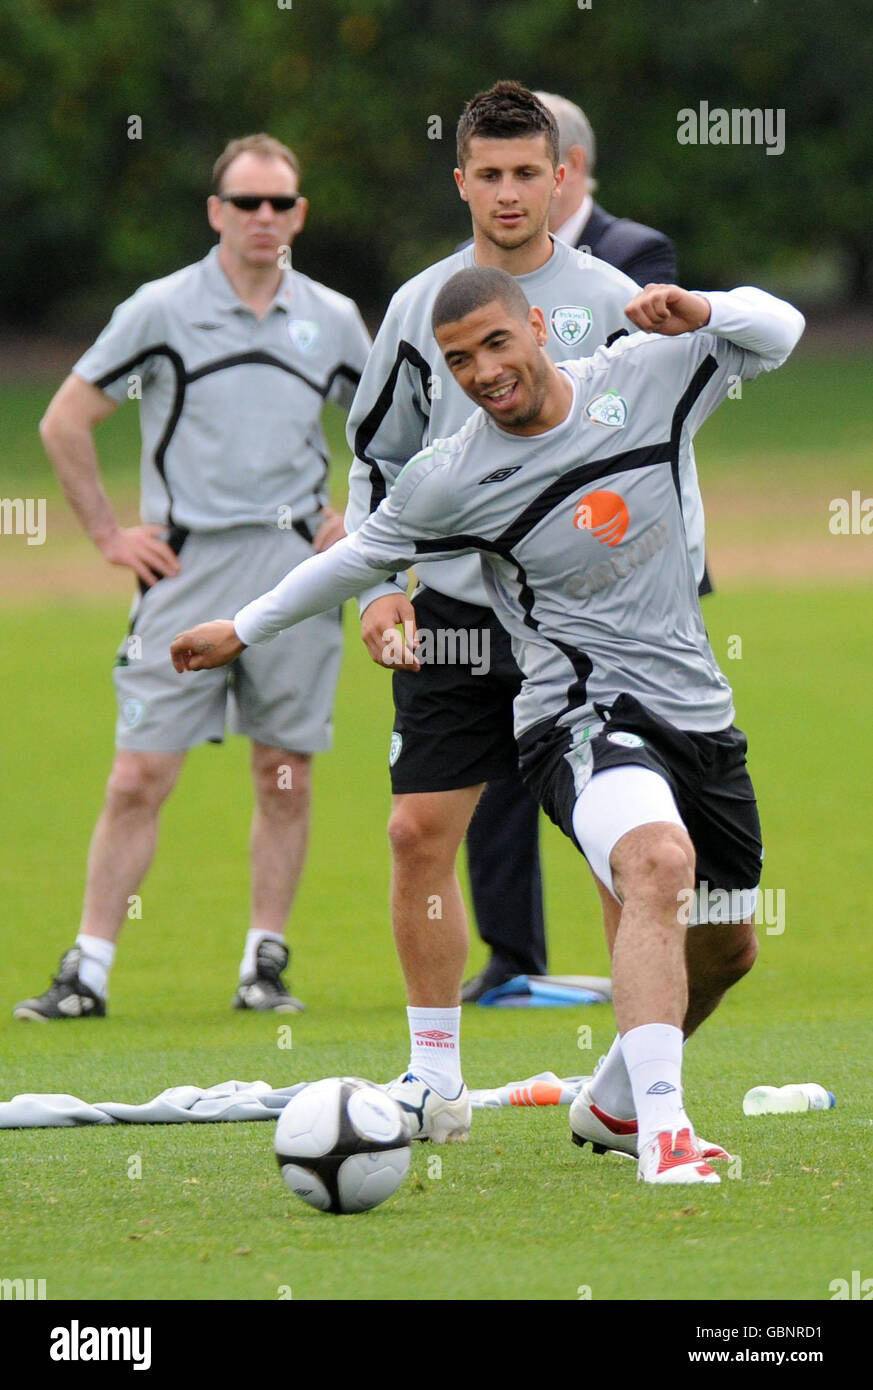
205,646
668,309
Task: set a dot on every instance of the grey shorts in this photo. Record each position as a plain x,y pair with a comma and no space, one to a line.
280,693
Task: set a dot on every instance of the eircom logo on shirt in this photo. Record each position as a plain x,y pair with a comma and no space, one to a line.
604,514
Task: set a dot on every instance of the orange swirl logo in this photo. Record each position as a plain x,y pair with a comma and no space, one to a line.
604,514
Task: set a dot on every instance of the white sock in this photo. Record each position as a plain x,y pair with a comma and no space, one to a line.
653,1057
96,962
253,940
435,1048
611,1087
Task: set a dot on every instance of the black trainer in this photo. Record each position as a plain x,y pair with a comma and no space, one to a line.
494,972
66,997
265,989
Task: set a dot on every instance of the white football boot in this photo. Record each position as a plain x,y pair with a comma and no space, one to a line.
591,1125
430,1115
673,1156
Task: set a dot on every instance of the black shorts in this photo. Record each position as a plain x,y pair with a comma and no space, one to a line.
706,772
452,726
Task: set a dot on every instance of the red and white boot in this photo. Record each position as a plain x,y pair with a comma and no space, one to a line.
673,1156
591,1125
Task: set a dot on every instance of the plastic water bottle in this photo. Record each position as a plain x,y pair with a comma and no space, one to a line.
786,1100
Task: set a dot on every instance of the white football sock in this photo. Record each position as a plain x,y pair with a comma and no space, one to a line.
253,940
96,962
653,1056
611,1087
435,1048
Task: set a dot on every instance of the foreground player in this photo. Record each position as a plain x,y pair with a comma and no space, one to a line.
624,721
233,358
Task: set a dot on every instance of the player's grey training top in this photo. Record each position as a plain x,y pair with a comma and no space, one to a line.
408,397
231,404
580,528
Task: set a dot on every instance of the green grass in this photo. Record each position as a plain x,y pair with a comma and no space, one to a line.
518,1213
812,419
812,406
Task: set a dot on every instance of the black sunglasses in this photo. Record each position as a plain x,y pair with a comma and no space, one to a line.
250,202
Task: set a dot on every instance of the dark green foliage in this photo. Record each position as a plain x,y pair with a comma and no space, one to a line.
90,213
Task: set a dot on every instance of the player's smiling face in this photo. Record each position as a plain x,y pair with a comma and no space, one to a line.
509,185
254,238
498,360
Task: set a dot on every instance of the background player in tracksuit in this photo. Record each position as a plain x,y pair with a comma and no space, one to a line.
234,358
624,721
453,726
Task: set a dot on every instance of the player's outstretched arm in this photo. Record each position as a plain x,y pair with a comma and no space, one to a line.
322,582
208,645
421,506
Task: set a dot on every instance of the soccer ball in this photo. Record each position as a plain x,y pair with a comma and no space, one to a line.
342,1145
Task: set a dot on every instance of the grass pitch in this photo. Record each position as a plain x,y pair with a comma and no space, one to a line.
517,1213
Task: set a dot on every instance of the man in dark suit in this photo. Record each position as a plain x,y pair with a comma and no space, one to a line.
505,828
642,253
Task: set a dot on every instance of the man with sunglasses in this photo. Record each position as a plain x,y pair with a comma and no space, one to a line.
232,359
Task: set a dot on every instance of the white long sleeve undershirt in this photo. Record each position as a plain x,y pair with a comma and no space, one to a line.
748,317
756,321
319,583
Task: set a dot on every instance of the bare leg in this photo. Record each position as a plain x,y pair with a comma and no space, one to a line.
280,832
430,922
716,957
651,866
125,836
611,913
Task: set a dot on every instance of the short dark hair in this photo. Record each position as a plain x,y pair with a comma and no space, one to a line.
471,289
505,112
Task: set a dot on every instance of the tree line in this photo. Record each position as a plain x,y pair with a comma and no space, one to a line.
114,113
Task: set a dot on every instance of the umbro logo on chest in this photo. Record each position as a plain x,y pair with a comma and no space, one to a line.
500,475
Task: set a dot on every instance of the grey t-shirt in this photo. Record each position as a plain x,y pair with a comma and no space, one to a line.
230,405
408,397
580,529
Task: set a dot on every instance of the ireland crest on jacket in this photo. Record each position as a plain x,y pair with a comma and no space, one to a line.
571,323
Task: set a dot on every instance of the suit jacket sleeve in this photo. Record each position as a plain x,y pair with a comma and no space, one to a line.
643,253
653,262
